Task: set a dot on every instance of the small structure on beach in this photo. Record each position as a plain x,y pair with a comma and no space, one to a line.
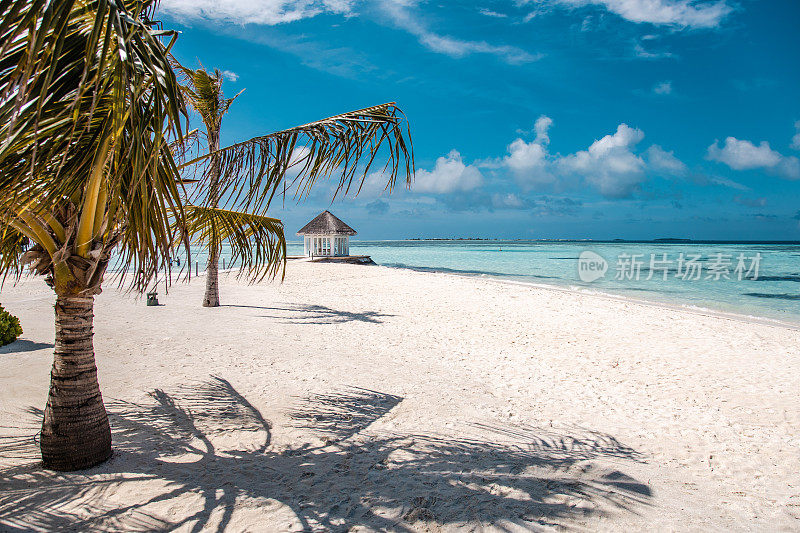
326,236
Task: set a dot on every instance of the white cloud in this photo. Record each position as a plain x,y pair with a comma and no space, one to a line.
725,182
299,157
507,201
610,164
541,127
789,167
229,74
402,16
460,48
796,138
273,12
744,155
489,13
663,87
680,13
529,161
641,52
374,186
625,137
450,174
269,12
661,160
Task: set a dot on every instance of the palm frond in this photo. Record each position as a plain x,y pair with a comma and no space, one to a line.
258,244
12,245
252,172
74,73
203,91
68,74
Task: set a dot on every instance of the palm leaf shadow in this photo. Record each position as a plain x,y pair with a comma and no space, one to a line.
207,440
342,414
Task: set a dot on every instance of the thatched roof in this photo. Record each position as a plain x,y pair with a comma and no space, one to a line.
326,223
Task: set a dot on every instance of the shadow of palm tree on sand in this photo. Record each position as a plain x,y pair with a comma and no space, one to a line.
205,454
317,314
25,345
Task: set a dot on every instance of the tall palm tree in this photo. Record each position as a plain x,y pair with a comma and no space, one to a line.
203,92
88,102
89,109
330,143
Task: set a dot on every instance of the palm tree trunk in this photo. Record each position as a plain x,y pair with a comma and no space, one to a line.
211,297
75,431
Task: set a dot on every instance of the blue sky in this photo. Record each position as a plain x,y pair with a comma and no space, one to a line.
532,118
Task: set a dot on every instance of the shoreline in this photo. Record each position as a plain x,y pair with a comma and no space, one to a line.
689,308
773,299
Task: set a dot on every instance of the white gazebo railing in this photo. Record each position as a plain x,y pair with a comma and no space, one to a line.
326,245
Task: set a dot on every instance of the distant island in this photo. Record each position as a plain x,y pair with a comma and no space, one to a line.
458,239
660,240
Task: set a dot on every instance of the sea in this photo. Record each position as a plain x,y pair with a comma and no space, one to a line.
755,279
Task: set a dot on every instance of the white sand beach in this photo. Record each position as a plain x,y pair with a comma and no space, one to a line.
367,398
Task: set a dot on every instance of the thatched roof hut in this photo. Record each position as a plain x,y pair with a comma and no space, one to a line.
326,223
326,235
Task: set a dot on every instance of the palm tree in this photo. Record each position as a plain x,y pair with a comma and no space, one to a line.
89,107
329,143
87,103
203,92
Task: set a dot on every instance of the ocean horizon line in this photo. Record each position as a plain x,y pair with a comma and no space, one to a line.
665,240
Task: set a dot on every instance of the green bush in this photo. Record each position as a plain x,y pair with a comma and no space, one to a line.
9,327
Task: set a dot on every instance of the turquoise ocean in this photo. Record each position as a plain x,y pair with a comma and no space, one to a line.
710,281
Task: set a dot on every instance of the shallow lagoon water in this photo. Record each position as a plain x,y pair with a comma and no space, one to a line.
773,293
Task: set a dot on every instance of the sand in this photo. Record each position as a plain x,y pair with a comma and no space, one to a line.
367,398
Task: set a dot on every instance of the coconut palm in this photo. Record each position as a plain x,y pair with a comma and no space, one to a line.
203,92
89,109
88,102
332,142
